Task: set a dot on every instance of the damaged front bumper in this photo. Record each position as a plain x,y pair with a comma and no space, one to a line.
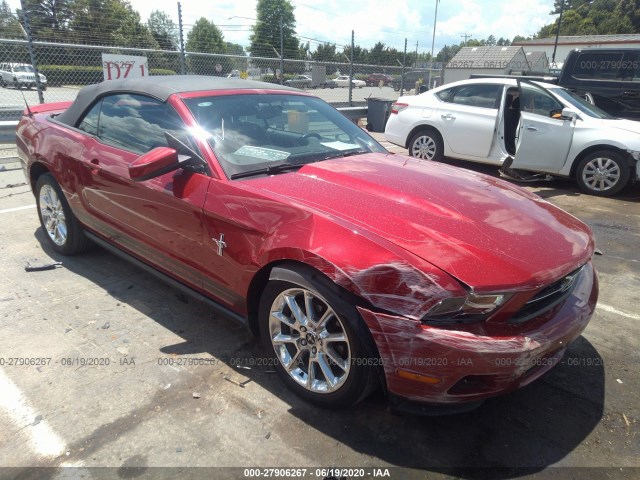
445,366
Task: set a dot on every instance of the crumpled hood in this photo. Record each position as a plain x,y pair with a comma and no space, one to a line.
484,231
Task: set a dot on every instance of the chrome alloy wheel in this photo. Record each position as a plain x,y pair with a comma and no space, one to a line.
310,340
424,147
53,218
601,174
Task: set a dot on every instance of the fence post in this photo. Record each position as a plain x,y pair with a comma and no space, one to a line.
281,53
351,70
27,29
183,69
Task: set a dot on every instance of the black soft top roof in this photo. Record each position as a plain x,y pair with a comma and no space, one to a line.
160,87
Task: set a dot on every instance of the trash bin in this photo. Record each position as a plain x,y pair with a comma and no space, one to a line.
378,111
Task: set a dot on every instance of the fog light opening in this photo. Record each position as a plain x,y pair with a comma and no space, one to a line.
418,377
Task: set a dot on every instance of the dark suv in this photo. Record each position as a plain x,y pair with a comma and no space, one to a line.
606,77
410,79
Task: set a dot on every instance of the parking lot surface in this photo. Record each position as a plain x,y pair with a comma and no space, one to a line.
101,365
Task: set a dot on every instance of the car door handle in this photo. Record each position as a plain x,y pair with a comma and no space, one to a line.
531,128
94,165
448,116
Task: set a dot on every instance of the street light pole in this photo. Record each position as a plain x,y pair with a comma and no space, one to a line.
433,41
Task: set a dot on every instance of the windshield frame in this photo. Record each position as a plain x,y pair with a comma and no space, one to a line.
253,131
580,103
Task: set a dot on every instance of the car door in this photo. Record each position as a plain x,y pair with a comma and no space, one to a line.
468,118
543,137
159,220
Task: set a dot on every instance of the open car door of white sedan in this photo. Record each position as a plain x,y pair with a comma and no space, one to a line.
543,137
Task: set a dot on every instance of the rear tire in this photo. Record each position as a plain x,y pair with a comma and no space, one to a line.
315,338
63,231
603,173
427,144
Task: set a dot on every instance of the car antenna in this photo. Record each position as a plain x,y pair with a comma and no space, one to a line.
27,104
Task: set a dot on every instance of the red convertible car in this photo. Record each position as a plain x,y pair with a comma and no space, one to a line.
359,269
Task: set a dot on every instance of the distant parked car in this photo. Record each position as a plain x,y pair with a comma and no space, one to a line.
20,75
343,81
374,79
305,81
522,126
299,81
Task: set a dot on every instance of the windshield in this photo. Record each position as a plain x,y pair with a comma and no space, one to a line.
580,103
252,132
24,68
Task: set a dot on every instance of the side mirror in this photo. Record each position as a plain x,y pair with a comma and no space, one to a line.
569,114
154,163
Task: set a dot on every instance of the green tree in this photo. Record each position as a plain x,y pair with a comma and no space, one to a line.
164,30
273,18
9,25
520,38
109,22
597,17
325,52
447,53
49,19
206,37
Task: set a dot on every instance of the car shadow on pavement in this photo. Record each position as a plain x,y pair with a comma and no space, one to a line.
509,436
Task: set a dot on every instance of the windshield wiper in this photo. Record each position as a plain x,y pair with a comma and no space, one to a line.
346,153
268,170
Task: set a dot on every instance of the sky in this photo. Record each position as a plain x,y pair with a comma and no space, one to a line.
388,21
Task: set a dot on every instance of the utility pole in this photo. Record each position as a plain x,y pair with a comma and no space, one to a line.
415,64
466,36
555,45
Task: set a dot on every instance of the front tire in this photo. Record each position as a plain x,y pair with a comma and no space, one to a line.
64,233
427,144
315,338
603,173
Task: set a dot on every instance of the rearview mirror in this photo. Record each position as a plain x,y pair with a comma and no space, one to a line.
154,163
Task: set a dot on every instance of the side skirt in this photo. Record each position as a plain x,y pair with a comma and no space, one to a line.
215,306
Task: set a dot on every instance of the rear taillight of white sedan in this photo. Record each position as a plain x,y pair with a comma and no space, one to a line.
398,107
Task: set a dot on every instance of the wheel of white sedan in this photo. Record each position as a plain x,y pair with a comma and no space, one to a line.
63,231
315,338
427,144
603,173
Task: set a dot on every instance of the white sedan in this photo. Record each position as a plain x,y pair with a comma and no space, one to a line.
523,126
343,81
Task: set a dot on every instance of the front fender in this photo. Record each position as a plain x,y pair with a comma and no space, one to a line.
388,279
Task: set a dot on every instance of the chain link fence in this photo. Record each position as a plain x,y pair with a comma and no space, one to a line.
33,72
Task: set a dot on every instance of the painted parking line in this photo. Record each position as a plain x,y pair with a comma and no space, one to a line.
615,311
17,209
41,438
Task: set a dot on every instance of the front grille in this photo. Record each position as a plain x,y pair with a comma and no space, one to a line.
547,298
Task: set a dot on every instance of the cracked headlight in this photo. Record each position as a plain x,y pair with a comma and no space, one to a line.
469,309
